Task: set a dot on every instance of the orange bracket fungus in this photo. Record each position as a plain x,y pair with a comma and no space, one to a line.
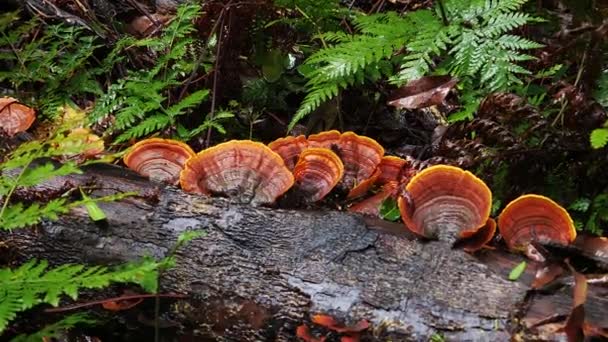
240,169
360,155
445,202
289,148
317,172
159,159
15,117
536,218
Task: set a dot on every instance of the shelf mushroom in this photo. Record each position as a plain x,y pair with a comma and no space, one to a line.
158,159
360,155
317,172
247,171
446,203
537,218
289,148
15,117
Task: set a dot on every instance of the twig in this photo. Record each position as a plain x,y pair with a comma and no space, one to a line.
215,74
202,55
115,299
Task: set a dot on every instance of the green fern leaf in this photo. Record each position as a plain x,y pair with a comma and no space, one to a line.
152,124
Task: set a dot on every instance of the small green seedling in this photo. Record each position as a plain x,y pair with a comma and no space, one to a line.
389,210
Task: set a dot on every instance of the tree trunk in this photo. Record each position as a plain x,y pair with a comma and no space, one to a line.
260,272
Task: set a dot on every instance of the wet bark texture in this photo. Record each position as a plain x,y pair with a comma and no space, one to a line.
261,272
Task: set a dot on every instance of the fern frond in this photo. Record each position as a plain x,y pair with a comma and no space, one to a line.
504,22
32,284
601,90
189,101
149,125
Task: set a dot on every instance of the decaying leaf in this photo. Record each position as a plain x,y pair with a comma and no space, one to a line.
423,92
546,274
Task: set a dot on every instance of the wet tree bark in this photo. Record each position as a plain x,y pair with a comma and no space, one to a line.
261,272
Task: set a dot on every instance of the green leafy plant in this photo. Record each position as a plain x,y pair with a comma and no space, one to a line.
468,38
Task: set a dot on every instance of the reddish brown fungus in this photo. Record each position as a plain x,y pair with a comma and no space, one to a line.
535,218
360,155
159,159
317,172
244,170
445,202
15,117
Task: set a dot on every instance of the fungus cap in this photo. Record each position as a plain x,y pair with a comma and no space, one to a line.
445,202
535,218
361,156
327,139
317,172
241,169
15,117
289,148
159,159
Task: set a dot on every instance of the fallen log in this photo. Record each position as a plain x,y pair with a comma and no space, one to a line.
259,273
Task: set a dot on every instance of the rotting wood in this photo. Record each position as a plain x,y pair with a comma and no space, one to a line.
261,272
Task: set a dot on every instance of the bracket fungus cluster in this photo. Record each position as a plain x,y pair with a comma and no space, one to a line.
15,117
255,173
447,203
441,202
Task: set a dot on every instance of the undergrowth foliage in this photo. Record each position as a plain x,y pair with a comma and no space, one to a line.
33,282
62,64
53,66
475,36
139,101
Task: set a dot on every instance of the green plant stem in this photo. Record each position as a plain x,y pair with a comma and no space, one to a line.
444,17
10,193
